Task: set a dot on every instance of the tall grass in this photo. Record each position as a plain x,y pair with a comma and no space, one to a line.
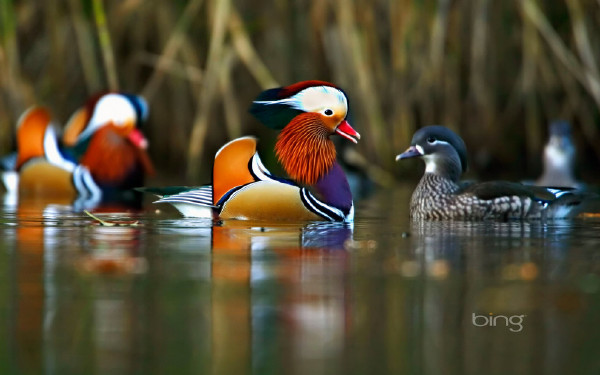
497,72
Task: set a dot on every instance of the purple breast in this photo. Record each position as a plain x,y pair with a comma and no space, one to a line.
334,190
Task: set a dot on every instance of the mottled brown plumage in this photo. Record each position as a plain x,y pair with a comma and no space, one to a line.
440,196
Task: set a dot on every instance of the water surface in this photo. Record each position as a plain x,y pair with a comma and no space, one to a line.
385,296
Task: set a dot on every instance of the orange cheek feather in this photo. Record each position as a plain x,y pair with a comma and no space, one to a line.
333,121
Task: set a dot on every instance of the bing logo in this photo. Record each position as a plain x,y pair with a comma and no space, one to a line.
513,322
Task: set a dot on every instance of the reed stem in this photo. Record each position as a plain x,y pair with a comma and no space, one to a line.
208,90
105,44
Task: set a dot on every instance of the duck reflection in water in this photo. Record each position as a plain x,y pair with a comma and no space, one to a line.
51,241
458,243
255,268
492,267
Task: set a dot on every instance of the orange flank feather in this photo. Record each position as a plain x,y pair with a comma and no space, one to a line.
75,126
231,166
304,148
110,157
30,134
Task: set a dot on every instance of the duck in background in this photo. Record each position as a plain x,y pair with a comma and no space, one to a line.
105,137
439,196
41,167
103,153
307,113
559,157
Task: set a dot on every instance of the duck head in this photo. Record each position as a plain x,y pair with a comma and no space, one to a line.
124,113
443,151
559,152
307,113
104,136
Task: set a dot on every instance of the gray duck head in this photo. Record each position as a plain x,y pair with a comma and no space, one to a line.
443,151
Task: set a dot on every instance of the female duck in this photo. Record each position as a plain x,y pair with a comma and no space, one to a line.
439,196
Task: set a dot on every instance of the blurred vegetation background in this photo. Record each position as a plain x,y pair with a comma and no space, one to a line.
495,71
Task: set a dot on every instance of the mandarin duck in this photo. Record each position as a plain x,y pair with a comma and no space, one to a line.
440,196
41,168
102,153
307,113
105,137
559,157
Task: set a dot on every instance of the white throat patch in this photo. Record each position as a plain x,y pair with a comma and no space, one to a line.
431,162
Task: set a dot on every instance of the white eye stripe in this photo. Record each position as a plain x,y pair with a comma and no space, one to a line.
113,108
315,99
439,142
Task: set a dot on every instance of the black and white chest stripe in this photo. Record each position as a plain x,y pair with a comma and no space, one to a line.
323,209
313,204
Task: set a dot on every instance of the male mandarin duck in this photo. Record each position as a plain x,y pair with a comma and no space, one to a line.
103,149
307,113
439,195
559,157
104,136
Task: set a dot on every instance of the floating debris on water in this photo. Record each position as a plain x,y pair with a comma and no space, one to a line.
128,223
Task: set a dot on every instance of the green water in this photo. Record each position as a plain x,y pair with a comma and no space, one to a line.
386,296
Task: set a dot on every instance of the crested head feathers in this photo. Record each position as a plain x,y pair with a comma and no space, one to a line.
431,139
277,107
443,151
308,113
122,110
560,128
140,106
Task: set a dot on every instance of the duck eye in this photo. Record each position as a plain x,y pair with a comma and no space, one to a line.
328,112
431,140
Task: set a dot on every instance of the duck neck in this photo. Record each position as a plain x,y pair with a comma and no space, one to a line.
440,184
558,167
305,150
445,166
